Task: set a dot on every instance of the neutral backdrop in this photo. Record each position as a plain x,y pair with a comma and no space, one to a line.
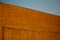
50,6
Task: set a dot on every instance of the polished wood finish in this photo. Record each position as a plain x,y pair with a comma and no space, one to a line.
26,24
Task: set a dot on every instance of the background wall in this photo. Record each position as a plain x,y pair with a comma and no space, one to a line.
50,6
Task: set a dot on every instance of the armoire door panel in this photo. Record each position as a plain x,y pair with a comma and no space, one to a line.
18,17
25,24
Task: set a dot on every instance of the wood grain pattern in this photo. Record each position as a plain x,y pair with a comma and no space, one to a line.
25,24
0,24
18,17
14,34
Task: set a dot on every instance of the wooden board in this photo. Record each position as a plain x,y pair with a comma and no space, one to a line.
0,24
25,24
18,17
14,34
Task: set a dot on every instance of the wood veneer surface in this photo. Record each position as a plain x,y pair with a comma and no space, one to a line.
25,24
12,34
0,24
18,17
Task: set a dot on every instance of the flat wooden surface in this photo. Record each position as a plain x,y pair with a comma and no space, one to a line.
26,24
18,17
12,34
0,24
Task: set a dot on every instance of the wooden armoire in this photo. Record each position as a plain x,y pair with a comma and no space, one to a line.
18,23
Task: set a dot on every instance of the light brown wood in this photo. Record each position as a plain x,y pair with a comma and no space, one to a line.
25,24
18,17
12,34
